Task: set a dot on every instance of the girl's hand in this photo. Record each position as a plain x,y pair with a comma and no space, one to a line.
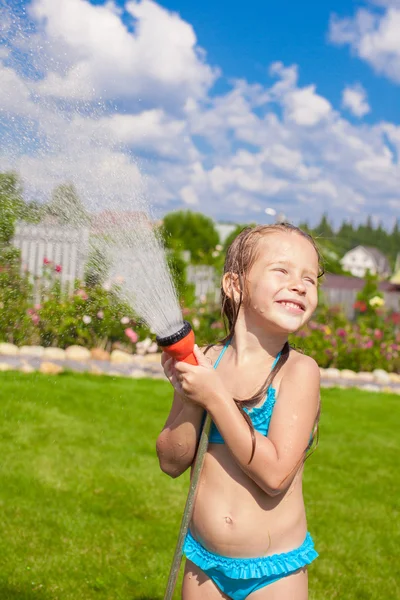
199,383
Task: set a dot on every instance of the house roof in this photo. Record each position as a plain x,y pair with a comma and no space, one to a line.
378,256
111,219
343,282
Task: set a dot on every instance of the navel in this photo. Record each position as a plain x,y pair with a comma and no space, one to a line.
228,520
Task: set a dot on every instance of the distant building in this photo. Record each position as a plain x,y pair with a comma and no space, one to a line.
111,220
342,290
361,259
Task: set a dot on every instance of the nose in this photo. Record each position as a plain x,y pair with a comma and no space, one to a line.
297,285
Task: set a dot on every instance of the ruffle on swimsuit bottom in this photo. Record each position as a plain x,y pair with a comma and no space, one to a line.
250,568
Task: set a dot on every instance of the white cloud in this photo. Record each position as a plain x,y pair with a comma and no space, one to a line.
354,99
189,196
231,155
373,36
305,107
160,58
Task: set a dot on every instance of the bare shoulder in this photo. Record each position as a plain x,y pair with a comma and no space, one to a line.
302,369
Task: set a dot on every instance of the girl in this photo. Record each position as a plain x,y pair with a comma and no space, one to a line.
248,535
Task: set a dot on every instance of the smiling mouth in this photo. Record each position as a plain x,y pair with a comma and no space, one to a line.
292,305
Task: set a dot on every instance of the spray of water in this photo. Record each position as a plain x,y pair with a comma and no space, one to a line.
52,134
138,265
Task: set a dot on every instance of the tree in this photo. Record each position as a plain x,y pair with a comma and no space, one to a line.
66,206
11,205
324,228
33,212
234,234
186,230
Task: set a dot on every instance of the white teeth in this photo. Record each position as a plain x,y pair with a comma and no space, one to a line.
291,305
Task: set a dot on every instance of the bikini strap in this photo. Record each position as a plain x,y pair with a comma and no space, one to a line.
221,354
276,359
224,350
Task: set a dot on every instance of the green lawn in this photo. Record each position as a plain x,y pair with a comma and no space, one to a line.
86,513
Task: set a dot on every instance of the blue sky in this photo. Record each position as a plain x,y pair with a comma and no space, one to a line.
222,108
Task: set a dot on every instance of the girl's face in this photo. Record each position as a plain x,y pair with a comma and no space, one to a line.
282,283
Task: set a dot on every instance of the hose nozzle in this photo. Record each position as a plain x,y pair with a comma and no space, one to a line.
180,345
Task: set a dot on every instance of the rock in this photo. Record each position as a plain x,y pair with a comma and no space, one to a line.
138,374
394,377
370,387
95,370
100,354
152,358
26,368
5,367
348,374
49,368
8,349
54,354
115,374
381,376
77,353
366,376
36,351
121,358
331,373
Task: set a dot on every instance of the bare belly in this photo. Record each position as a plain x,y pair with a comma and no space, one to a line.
233,517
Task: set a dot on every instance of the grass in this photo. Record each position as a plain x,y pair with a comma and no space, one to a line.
87,514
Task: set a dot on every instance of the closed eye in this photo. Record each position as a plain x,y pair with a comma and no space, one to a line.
310,280
281,270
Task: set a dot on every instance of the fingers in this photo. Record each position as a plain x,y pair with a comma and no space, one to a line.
164,358
168,366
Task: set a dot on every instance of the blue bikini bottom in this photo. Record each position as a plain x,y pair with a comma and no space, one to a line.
239,577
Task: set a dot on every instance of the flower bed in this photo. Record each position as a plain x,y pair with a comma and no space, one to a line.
95,317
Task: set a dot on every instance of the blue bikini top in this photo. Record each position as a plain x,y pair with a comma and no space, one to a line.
259,415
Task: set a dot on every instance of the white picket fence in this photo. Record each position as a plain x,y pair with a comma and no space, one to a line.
65,246
205,281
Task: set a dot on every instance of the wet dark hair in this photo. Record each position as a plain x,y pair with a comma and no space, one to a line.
240,257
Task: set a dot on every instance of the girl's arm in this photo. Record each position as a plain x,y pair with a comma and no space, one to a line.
277,457
177,443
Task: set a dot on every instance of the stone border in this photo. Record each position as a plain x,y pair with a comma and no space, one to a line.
53,361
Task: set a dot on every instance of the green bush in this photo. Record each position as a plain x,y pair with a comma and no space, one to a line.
16,325
90,316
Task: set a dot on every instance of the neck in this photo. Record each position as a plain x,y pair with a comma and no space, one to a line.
252,343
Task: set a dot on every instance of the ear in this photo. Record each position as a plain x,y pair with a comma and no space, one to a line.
231,286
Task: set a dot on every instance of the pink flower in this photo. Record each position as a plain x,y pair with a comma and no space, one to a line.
125,321
58,268
100,314
378,334
37,306
132,335
82,294
341,332
46,261
369,344
35,319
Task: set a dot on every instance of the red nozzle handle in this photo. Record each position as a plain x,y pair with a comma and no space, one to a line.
183,350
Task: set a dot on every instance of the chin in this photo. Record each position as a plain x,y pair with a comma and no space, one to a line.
289,327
